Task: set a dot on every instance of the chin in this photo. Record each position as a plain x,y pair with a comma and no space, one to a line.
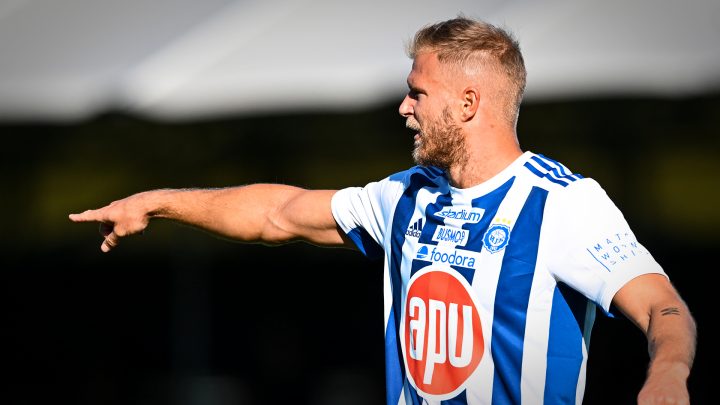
421,159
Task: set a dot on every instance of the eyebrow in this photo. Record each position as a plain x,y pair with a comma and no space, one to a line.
414,87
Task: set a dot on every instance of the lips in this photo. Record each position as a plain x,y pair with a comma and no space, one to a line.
416,135
413,125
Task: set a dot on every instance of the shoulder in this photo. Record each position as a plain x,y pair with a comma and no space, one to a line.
568,191
548,173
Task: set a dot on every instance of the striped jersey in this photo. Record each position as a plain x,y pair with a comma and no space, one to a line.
490,291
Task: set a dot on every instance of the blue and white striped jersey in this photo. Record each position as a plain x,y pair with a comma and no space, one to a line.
490,292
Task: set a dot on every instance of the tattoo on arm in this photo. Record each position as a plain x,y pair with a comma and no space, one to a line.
670,311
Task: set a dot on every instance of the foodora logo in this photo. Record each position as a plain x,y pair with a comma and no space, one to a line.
442,335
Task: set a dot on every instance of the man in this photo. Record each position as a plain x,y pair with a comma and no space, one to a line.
495,258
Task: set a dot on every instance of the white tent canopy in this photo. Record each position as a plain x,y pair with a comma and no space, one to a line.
188,59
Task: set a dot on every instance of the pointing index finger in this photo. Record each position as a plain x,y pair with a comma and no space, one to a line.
89,215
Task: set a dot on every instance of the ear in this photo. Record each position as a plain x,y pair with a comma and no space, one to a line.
471,101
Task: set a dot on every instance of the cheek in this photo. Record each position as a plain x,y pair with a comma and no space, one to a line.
422,111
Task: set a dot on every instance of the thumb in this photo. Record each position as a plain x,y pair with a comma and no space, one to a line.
111,241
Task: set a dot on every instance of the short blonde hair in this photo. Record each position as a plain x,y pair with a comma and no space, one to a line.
465,43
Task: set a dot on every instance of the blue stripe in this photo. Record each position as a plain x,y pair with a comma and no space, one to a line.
534,170
393,373
559,170
460,399
431,220
564,171
555,167
540,174
412,397
569,174
431,224
365,243
578,304
401,220
552,171
490,203
556,163
564,356
511,300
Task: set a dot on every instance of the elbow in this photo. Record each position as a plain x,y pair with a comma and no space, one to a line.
274,234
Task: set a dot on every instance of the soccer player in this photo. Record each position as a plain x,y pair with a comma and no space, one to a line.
495,258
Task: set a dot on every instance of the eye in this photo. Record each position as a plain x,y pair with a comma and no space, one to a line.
414,93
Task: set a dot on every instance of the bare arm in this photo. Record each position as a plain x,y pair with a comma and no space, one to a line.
654,305
268,213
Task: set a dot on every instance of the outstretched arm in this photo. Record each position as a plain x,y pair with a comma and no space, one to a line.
654,305
267,213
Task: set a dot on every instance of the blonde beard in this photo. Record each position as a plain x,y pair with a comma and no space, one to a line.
441,143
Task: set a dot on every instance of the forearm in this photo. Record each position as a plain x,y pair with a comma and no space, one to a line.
654,305
671,338
243,213
671,335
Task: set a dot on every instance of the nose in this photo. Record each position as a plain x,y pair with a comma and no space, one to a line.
406,107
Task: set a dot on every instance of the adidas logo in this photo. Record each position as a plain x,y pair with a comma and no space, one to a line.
415,229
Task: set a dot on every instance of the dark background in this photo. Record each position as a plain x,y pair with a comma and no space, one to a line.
177,316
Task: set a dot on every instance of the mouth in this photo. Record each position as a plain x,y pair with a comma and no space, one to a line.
415,127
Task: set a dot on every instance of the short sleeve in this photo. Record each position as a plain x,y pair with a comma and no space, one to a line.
364,213
592,248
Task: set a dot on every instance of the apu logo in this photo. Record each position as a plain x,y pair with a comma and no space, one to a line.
471,215
496,238
442,337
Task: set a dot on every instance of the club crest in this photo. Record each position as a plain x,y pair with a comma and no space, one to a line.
496,238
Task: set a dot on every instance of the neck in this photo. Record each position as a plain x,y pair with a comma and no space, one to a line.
488,153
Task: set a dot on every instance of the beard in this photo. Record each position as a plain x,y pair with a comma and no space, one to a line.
441,143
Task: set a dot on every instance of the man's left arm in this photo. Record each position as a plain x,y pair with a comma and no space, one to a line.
655,306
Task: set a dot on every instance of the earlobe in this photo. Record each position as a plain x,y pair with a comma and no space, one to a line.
471,101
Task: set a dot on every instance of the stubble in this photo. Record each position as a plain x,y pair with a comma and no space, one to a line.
441,143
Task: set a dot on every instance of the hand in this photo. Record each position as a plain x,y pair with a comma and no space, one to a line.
117,220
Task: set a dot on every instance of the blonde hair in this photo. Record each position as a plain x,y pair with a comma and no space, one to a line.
469,44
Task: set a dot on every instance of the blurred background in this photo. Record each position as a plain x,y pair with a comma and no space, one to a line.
101,99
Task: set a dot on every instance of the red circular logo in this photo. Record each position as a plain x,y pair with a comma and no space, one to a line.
442,335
